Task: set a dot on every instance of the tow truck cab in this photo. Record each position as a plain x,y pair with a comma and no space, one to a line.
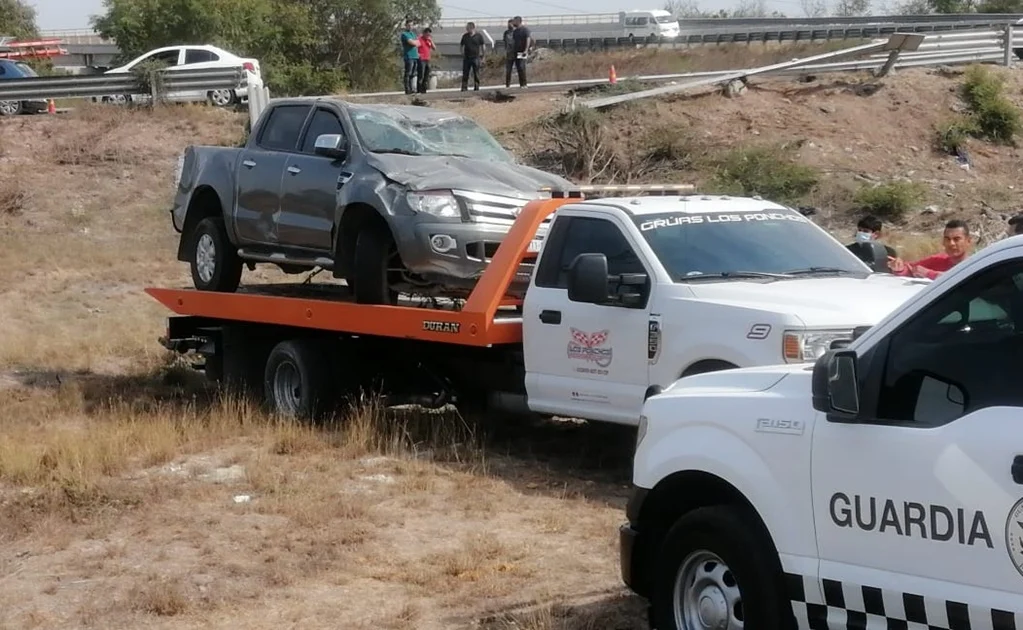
880,485
625,295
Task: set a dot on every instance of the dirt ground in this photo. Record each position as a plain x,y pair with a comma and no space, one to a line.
132,496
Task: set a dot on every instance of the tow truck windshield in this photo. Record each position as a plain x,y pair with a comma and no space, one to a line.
771,244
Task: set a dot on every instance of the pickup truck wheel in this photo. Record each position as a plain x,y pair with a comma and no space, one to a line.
214,261
296,380
375,251
714,572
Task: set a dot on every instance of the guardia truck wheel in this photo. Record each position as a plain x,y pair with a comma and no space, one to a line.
716,572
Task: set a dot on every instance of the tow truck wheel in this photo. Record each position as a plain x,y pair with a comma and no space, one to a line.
214,261
375,251
716,572
296,380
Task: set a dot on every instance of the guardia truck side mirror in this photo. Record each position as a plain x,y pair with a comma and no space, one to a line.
836,388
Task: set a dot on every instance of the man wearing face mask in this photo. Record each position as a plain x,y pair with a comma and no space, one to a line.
868,230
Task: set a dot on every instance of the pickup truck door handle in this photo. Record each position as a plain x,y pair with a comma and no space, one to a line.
550,317
248,163
1017,469
294,170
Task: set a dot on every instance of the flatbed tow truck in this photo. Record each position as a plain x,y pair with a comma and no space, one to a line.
627,294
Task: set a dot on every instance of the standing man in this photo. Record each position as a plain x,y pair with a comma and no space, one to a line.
522,41
509,52
957,242
409,55
423,67
472,56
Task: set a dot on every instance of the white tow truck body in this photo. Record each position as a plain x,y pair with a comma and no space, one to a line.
713,283
881,487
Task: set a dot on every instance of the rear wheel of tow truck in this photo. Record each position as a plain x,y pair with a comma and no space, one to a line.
375,255
296,380
214,261
716,571
10,108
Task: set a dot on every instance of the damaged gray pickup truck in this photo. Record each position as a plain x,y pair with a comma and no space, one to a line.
394,199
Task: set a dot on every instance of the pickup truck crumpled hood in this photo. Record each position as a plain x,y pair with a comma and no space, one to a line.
818,302
432,172
734,381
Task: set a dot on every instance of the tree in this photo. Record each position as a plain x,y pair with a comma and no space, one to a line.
17,19
814,8
852,8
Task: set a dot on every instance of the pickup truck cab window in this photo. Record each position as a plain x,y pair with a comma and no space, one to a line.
283,127
586,235
692,246
959,355
324,121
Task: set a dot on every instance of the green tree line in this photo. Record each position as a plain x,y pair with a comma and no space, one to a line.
304,46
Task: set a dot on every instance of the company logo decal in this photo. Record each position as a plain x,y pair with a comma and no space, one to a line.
653,340
1014,535
591,348
443,327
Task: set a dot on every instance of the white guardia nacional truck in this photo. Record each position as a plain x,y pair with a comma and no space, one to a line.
881,487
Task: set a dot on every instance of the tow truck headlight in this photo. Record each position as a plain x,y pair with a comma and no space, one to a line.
805,346
438,203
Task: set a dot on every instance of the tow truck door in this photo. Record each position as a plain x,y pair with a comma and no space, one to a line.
918,498
583,359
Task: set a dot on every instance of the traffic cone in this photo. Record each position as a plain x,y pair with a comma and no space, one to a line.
613,77
51,107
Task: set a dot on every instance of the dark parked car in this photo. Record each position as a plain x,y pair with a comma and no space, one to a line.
9,70
391,198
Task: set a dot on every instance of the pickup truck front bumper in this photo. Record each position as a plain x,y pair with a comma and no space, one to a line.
632,553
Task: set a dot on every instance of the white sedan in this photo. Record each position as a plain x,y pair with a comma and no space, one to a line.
195,58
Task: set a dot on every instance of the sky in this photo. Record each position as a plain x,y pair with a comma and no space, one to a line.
71,14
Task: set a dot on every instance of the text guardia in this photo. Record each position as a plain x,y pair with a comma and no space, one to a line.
906,518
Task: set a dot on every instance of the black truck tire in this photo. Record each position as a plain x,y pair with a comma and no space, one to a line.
213,259
730,557
369,271
297,379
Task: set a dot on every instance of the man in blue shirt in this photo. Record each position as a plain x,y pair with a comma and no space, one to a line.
409,54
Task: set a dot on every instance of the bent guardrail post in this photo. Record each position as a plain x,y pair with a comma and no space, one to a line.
1008,37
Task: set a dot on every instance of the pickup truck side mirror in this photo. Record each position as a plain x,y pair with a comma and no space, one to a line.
836,387
587,279
330,145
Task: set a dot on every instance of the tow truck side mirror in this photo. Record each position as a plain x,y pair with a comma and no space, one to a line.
836,387
587,279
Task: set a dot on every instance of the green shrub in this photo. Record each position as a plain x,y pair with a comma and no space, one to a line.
891,200
994,116
764,171
294,79
952,135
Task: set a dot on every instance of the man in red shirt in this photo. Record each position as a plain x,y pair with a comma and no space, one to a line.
957,243
423,67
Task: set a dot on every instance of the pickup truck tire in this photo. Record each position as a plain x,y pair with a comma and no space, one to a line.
724,568
373,250
214,261
297,379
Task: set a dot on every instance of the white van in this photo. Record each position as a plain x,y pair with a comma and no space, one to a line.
652,23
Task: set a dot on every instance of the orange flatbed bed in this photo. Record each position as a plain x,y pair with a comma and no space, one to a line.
477,323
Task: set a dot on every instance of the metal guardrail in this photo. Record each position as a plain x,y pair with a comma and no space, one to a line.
84,86
572,19
979,46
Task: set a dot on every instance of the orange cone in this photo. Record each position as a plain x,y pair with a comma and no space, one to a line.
51,107
613,77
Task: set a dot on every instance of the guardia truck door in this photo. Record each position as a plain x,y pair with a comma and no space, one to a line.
918,490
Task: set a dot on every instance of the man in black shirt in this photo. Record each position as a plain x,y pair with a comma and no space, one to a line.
522,41
868,232
509,52
472,56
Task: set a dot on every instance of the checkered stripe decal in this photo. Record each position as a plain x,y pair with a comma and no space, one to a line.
852,606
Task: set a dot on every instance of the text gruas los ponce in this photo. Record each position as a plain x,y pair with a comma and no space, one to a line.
906,518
